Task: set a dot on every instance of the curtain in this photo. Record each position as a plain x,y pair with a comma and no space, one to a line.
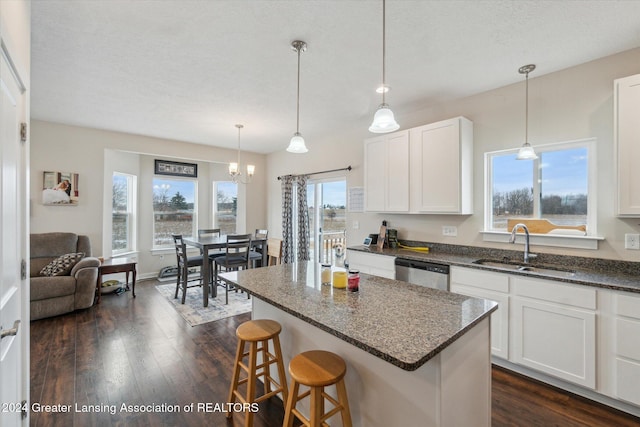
287,219
294,201
303,219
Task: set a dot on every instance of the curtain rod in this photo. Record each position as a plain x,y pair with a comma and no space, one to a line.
348,168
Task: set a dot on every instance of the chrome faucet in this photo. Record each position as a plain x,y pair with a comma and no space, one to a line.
512,239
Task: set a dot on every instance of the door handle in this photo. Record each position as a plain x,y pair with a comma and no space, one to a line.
12,331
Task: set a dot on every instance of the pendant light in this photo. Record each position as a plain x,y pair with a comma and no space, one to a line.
296,145
526,152
234,168
383,120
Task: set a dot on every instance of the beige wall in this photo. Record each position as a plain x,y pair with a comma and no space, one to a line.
567,105
95,154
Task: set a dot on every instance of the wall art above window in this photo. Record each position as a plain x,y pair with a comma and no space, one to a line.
165,167
60,188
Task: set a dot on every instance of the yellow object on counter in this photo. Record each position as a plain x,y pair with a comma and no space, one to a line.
415,248
340,279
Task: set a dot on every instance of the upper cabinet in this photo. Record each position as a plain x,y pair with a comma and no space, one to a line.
627,145
441,167
424,170
386,173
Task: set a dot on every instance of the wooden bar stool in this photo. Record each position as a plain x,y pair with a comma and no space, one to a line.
317,369
255,332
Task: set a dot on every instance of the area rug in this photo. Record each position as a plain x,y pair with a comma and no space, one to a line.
195,314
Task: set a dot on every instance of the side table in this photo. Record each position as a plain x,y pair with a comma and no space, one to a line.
117,265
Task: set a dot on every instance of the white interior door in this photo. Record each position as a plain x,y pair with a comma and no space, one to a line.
14,320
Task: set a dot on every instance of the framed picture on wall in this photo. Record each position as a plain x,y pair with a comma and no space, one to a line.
165,167
60,188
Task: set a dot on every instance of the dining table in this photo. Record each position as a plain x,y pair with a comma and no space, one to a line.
207,243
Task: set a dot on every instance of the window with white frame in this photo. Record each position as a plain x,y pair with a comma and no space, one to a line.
123,213
174,209
556,186
225,206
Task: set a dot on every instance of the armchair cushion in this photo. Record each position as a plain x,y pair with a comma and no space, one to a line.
62,265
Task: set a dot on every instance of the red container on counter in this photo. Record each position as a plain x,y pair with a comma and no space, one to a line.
353,280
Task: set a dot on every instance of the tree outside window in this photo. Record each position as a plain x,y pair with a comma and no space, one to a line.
174,210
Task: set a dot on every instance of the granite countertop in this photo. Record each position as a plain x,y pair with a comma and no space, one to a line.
610,274
403,324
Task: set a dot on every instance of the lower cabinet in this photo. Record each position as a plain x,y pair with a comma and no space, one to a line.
541,324
626,348
580,334
490,286
554,329
374,264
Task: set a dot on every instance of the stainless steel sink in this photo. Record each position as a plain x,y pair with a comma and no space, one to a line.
550,270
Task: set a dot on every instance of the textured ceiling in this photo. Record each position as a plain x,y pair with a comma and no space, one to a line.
190,70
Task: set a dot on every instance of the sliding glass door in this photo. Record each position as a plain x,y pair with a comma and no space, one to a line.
327,201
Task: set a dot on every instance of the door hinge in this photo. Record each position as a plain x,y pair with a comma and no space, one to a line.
24,409
23,270
23,132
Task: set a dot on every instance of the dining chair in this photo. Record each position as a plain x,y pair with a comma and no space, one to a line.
211,232
184,263
236,257
274,251
258,250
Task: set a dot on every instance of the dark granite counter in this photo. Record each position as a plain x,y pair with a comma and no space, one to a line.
403,324
610,274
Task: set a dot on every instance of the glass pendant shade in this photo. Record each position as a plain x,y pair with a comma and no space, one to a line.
297,145
251,169
526,152
383,120
233,168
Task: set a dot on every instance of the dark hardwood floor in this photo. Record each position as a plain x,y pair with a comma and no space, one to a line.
141,352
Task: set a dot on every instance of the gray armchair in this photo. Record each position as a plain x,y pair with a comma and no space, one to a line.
54,295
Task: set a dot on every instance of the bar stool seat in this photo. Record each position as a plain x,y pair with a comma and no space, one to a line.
317,369
253,333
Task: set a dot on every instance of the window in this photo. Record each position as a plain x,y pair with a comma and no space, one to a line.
554,187
123,213
225,206
174,210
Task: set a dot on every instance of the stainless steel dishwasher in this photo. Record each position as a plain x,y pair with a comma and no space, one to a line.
423,273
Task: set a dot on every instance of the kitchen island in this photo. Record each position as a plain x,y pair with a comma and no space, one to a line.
415,356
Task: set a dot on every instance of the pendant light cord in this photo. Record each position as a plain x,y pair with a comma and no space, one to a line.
298,96
239,127
384,50
526,109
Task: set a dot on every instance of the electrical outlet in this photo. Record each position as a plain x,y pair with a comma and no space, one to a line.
449,230
632,241
355,225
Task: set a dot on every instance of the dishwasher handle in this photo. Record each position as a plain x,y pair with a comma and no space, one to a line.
420,265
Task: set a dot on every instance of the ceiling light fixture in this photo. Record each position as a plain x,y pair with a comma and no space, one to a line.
234,168
383,121
526,152
296,145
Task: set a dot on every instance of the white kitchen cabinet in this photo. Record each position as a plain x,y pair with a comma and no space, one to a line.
627,150
491,286
626,349
553,329
386,173
441,167
374,264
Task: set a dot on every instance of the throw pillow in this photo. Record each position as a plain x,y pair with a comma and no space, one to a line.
62,265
